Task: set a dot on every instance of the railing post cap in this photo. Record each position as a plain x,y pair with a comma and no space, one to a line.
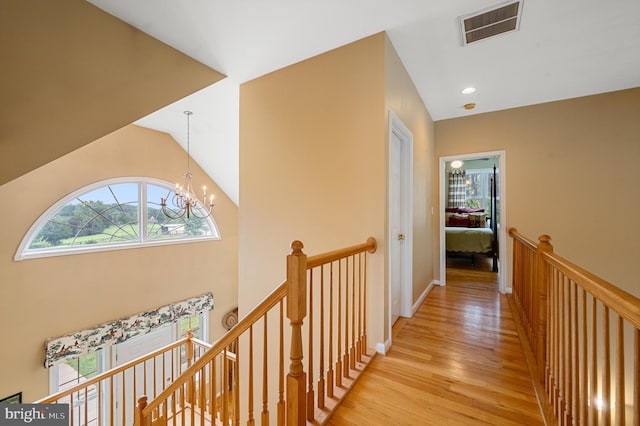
544,243
296,247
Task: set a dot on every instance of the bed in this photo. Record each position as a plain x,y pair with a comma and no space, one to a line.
471,232
472,240
469,240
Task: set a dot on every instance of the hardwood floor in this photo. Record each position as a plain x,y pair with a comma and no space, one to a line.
458,361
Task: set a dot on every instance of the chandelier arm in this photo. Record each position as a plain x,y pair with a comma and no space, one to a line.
184,198
171,215
199,215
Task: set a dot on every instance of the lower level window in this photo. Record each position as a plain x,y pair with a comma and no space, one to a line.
85,404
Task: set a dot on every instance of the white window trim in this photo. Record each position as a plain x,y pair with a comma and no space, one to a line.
143,242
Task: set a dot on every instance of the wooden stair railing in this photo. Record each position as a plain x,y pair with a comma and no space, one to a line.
94,400
213,391
567,317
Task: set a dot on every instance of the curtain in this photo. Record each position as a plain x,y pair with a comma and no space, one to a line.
72,345
456,189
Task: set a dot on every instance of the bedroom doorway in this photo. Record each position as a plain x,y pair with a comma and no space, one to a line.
473,216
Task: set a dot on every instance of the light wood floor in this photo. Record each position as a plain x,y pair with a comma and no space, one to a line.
458,361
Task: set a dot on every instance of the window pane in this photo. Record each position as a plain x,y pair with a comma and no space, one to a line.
106,215
77,370
74,372
189,323
161,227
473,189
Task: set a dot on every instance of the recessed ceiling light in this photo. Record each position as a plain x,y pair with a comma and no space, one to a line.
468,90
456,164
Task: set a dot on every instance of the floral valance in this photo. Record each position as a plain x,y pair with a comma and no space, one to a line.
72,345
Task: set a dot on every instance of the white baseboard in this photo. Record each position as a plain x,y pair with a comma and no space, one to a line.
436,282
423,296
383,348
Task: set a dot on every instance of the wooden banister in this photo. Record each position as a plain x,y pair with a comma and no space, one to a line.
626,304
579,347
210,386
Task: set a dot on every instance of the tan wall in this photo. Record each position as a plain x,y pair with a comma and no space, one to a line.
402,98
48,297
312,165
571,172
72,73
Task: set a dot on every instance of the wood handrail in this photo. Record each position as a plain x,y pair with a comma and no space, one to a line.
256,313
112,372
202,343
624,303
321,259
513,232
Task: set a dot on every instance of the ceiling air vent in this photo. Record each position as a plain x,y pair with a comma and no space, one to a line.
488,23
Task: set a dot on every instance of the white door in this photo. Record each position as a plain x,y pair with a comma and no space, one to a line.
130,350
396,225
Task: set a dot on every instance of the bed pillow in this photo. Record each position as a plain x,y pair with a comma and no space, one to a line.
447,217
469,210
477,220
459,220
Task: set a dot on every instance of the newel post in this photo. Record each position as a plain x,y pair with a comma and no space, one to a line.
296,311
542,286
142,403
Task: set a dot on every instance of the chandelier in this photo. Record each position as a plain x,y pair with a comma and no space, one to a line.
184,200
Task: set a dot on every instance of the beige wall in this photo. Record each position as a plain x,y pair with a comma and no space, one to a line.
72,73
402,98
48,297
313,166
571,172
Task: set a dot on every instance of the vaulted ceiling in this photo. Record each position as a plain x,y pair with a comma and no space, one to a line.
563,49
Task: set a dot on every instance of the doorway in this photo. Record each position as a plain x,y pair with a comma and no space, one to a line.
149,380
481,166
400,228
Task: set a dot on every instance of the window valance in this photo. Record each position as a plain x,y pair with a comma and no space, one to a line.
82,342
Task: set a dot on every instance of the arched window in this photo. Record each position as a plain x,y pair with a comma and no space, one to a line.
110,215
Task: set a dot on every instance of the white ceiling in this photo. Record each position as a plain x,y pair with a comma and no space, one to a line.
564,49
